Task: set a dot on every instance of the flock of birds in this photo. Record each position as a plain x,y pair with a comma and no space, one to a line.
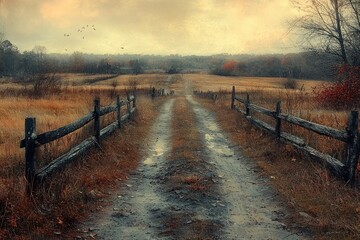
82,31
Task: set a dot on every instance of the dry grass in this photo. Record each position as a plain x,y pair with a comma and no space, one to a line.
62,203
266,92
188,170
206,82
332,208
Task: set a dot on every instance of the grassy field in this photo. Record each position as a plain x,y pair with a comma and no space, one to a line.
266,92
206,82
318,200
304,187
23,219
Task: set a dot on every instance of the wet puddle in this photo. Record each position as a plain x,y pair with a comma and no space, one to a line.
158,150
250,203
131,215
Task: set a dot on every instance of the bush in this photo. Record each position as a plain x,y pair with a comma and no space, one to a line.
290,83
44,84
343,94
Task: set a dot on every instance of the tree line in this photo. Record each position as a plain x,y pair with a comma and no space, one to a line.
24,66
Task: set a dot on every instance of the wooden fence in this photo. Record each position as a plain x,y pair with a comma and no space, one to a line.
159,92
350,135
208,94
32,140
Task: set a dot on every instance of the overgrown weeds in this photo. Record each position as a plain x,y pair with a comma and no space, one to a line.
318,200
344,94
190,176
70,195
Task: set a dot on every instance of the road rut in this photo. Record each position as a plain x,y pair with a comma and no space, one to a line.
241,205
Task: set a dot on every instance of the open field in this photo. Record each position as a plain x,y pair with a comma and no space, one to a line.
318,200
52,111
266,92
303,188
207,82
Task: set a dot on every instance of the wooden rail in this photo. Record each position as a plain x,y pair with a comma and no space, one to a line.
159,92
350,135
32,140
208,94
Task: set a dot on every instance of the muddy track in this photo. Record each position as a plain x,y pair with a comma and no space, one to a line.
253,208
192,184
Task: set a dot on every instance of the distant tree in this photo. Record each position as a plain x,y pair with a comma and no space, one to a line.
41,60
104,66
136,66
332,27
10,58
173,66
290,67
77,62
230,67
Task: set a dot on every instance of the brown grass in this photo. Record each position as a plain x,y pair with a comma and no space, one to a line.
70,195
332,207
206,82
187,170
186,144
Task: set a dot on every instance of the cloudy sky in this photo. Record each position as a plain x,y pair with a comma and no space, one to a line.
200,27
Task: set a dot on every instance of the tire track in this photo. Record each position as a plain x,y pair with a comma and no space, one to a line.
253,208
131,214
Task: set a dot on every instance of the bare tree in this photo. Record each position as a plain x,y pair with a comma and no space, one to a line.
331,26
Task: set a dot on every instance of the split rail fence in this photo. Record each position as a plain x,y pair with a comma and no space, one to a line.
157,92
33,140
350,135
160,92
207,94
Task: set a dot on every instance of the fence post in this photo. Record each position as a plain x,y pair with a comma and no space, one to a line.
352,146
247,105
134,101
97,119
278,120
233,98
153,93
118,108
30,133
128,106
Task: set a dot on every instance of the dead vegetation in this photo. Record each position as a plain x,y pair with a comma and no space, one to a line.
317,199
75,192
190,179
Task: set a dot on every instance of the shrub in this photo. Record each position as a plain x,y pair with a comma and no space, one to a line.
44,84
290,83
345,93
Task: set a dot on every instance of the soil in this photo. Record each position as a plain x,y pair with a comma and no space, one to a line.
214,193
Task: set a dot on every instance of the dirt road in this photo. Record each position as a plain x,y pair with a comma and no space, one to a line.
193,184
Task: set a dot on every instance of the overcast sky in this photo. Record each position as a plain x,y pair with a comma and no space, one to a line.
200,27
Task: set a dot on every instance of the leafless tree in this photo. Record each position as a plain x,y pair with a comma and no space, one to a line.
331,26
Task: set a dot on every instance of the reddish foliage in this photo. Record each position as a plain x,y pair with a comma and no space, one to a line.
230,66
344,93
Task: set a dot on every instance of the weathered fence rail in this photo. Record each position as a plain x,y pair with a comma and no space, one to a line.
350,135
32,140
207,94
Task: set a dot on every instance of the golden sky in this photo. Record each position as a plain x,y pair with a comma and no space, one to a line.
186,27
